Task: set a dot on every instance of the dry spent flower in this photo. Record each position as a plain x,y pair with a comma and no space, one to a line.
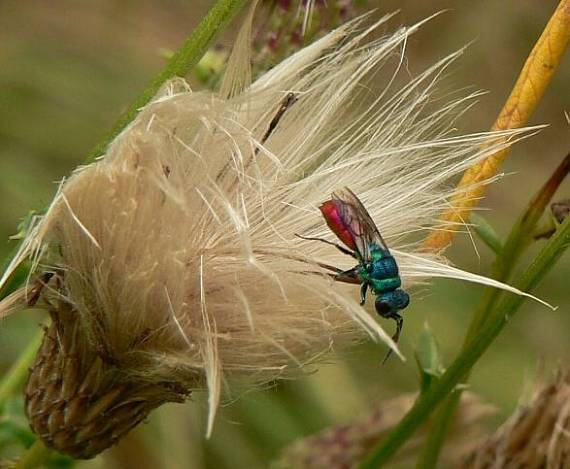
171,264
344,446
537,435
284,25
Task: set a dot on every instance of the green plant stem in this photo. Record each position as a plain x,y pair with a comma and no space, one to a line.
519,238
17,374
475,348
438,431
34,456
185,58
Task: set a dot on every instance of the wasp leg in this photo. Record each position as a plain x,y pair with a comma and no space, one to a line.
335,277
330,267
346,276
363,290
396,337
342,249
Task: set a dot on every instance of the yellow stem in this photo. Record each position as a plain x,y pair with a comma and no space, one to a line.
523,100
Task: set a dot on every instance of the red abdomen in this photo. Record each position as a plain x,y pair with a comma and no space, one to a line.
336,223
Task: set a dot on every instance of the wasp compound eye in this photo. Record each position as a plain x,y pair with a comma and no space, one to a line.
383,308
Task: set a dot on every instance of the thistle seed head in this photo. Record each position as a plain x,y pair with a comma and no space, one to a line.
174,258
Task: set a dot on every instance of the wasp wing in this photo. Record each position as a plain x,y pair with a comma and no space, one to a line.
358,222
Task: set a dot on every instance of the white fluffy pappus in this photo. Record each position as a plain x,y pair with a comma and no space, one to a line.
177,249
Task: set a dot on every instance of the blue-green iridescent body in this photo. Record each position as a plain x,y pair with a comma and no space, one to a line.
381,273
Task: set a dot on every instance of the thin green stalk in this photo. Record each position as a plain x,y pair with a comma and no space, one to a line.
519,238
438,431
35,456
185,58
475,348
17,374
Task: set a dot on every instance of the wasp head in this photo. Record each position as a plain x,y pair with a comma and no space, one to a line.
388,304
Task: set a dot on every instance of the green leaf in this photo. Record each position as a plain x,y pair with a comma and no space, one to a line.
487,233
25,225
209,70
428,359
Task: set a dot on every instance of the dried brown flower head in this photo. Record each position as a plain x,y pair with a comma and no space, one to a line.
345,446
536,436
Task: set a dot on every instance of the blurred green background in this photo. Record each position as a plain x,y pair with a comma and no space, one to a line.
68,68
